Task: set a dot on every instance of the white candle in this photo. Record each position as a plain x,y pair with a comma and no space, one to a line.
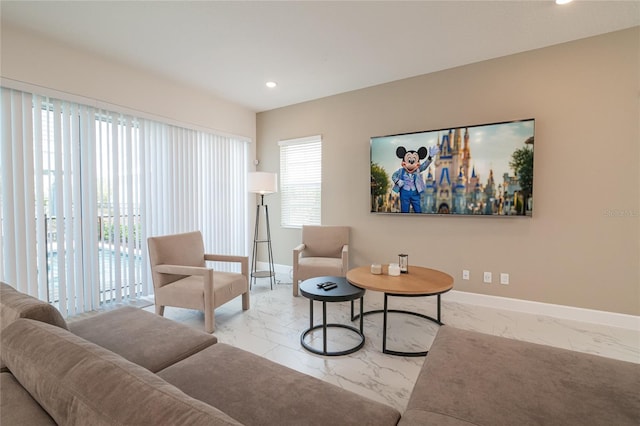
394,269
376,268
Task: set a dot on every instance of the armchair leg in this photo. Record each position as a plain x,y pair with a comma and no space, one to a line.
295,287
209,321
245,301
160,310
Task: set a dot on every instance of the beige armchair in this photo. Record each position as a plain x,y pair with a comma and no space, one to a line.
324,251
181,278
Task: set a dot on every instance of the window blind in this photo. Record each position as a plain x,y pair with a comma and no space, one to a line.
301,181
82,188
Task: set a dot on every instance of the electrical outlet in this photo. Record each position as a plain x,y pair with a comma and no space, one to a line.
465,274
504,278
487,277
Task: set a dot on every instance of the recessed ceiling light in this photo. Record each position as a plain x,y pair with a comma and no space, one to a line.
271,84
563,1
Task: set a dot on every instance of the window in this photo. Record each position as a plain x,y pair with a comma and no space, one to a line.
82,188
301,181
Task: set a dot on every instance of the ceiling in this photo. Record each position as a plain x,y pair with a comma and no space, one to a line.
312,49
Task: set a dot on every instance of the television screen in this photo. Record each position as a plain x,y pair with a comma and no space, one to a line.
483,170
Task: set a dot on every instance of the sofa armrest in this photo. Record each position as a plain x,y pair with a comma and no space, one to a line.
14,304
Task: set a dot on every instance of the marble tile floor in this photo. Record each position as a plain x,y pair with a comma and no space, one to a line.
272,328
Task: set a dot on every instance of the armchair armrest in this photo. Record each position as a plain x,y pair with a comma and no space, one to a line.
243,260
296,255
181,270
205,273
345,258
298,249
226,258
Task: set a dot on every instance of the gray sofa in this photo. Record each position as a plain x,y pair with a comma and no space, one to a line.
130,367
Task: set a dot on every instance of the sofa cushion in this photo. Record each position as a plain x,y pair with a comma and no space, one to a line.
423,417
17,407
141,337
80,383
14,305
257,391
491,380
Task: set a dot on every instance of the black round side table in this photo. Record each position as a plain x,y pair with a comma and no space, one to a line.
313,289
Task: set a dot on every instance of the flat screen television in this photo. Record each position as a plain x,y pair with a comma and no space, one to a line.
483,170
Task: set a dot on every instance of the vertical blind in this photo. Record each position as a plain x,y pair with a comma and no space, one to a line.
301,181
82,188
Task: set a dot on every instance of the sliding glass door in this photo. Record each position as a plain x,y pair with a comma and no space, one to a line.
82,188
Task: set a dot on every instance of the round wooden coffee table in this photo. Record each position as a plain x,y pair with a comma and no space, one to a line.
419,282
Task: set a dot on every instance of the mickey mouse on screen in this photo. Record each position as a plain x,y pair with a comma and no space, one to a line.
407,180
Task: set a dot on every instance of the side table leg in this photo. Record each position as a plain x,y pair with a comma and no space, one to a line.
439,322
324,327
310,313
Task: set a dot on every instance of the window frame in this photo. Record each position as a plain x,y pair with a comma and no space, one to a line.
301,181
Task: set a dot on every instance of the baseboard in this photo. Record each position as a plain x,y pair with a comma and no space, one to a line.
592,316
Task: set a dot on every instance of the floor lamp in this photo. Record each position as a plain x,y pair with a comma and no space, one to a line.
262,183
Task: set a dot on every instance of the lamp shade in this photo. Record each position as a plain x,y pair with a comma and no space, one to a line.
263,182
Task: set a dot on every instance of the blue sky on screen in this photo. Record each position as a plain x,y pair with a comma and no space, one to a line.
491,146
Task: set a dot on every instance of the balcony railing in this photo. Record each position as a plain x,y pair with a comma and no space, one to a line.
115,255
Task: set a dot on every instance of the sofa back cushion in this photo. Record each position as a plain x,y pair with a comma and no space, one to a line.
79,383
14,305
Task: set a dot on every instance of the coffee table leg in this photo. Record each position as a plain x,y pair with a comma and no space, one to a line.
361,314
310,313
386,312
324,327
384,326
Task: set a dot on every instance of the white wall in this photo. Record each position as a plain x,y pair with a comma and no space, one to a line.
584,96
30,58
